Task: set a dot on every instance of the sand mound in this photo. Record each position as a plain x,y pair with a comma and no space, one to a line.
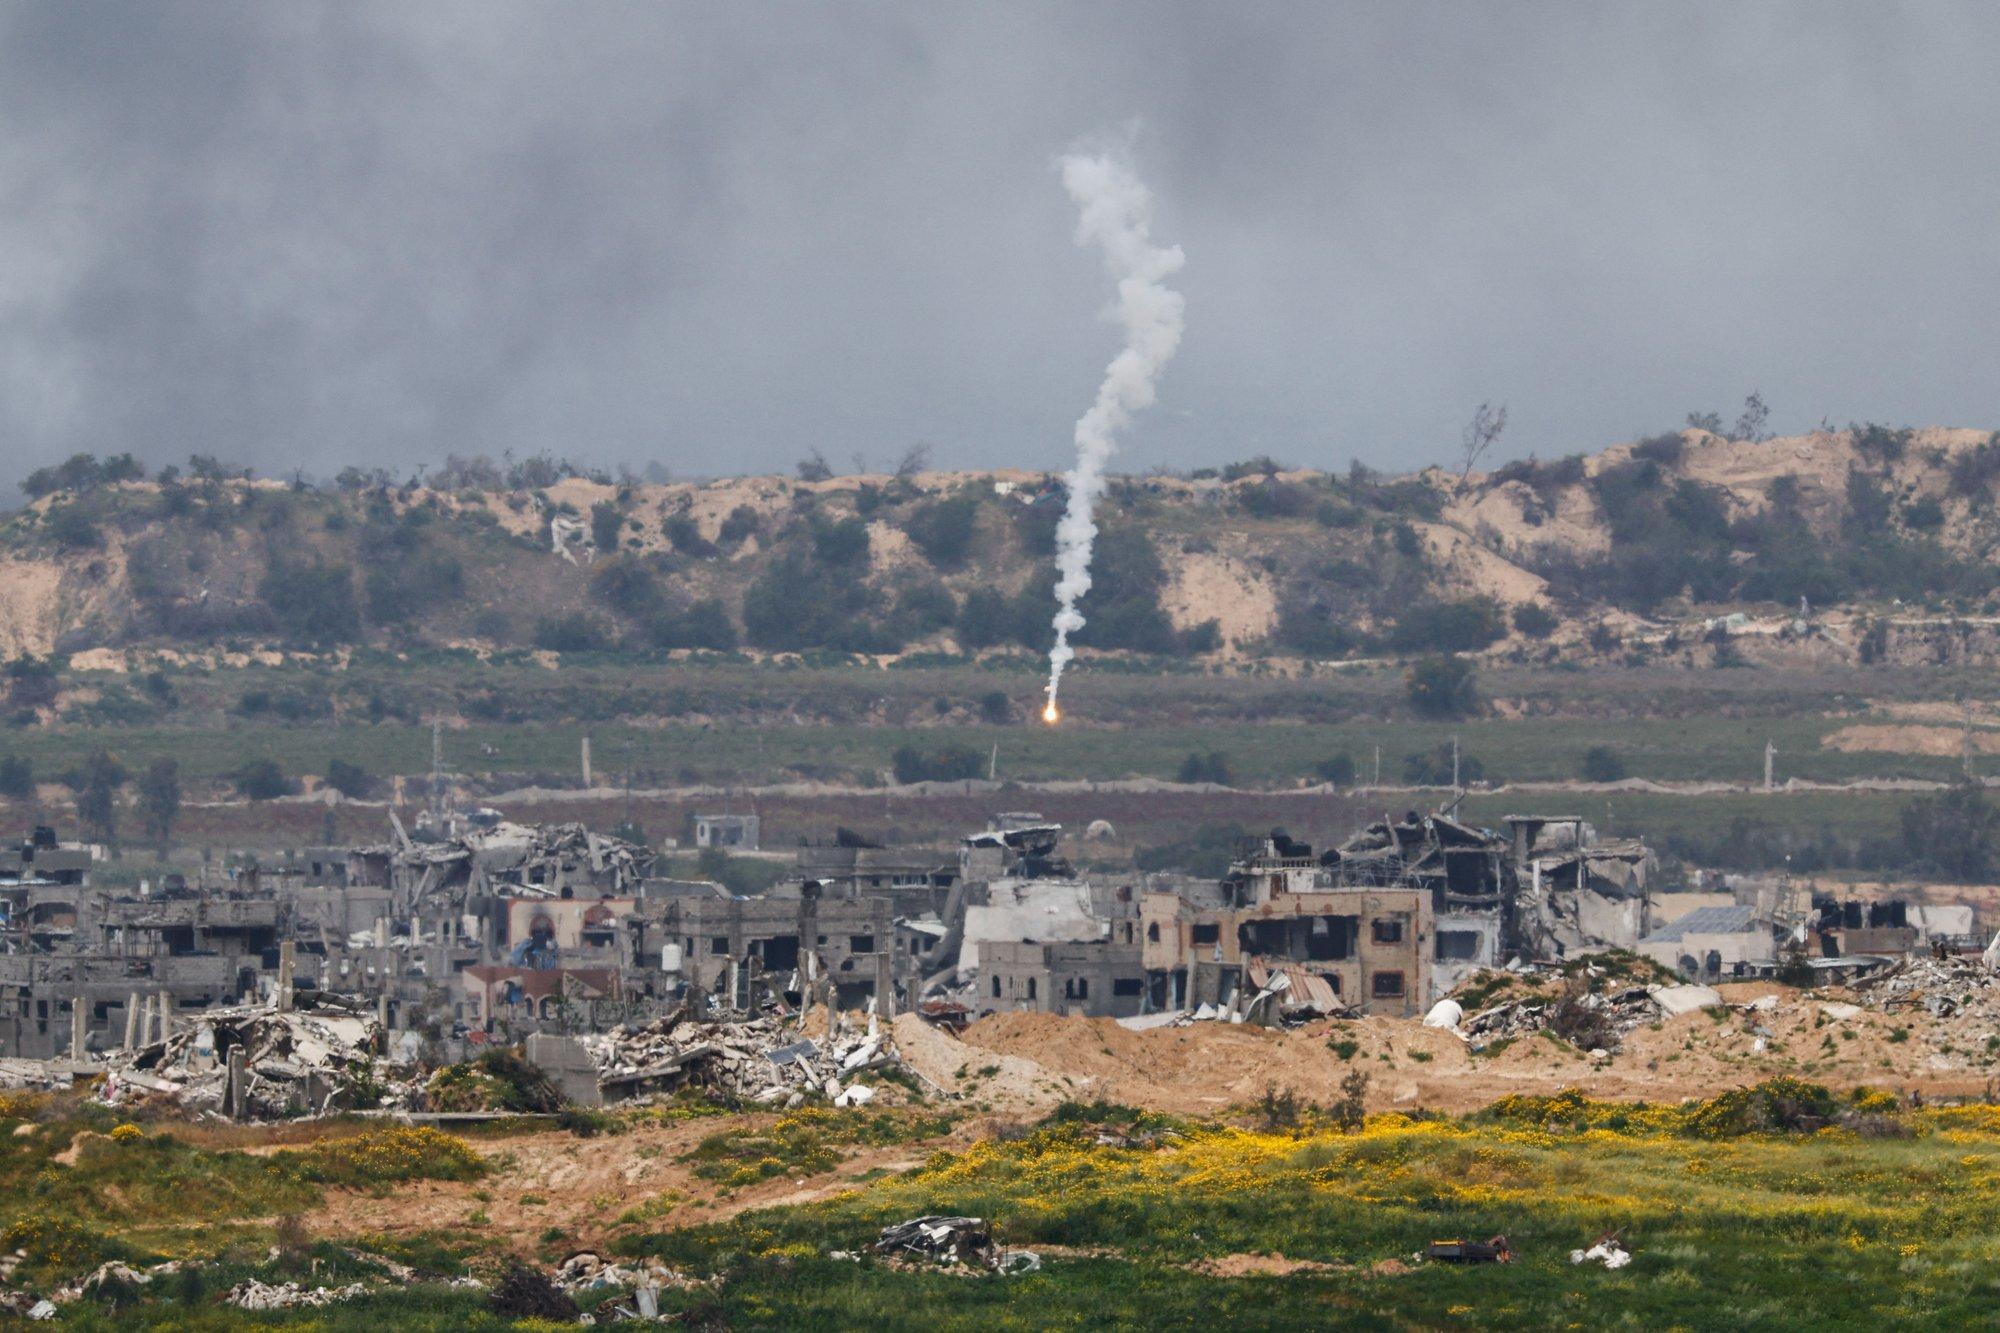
1223,589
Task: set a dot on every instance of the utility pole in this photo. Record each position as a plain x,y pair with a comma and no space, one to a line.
993,763
1378,765
1770,753
1454,762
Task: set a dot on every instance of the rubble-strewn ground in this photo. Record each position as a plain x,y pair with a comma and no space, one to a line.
1780,1206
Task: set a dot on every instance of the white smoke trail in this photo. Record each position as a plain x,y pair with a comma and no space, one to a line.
1116,214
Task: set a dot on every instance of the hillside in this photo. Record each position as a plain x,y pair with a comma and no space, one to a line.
1635,551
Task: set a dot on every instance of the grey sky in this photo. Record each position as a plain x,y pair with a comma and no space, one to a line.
719,235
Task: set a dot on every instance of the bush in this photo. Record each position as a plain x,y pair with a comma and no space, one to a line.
1535,621
576,632
742,523
1207,853
17,778
74,530
1445,686
1955,831
840,542
262,780
950,763
607,526
705,624
1433,768
684,535
1449,627
312,603
1925,515
996,708
1602,764
942,529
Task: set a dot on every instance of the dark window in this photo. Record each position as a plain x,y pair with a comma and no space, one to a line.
1083,988
1127,986
1458,945
996,988
1388,932
1388,985
1206,932
861,944
720,944
1153,931
1031,988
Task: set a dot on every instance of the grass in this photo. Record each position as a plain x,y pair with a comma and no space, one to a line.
714,721
804,1143
1731,1226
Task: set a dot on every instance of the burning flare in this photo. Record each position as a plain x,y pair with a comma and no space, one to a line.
1050,715
1116,214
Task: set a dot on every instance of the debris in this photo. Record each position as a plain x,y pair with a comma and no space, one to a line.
1445,1014
1494,1251
1678,1000
42,1309
954,1241
1606,1250
760,1059
527,1293
250,1294
256,1063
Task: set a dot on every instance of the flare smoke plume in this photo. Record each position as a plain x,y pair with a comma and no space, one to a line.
1116,214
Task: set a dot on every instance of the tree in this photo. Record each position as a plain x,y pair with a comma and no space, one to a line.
350,780
313,602
1438,768
1708,421
942,529
96,786
915,459
1210,767
1955,831
1485,427
814,467
1535,621
17,778
160,800
950,763
1338,771
1602,764
607,526
262,780
1442,686
1750,426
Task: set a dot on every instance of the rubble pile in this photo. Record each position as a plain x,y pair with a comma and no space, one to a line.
954,1242
291,1063
1606,1018
250,1294
762,1059
1941,987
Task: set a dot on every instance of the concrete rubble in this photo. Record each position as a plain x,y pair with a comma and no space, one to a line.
250,1294
763,1060
257,1063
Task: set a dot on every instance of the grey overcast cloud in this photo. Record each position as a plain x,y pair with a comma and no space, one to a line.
715,237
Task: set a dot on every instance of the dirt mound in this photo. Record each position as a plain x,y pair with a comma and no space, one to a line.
1941,741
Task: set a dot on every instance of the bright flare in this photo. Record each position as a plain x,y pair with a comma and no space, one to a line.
1050,715
1115,214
